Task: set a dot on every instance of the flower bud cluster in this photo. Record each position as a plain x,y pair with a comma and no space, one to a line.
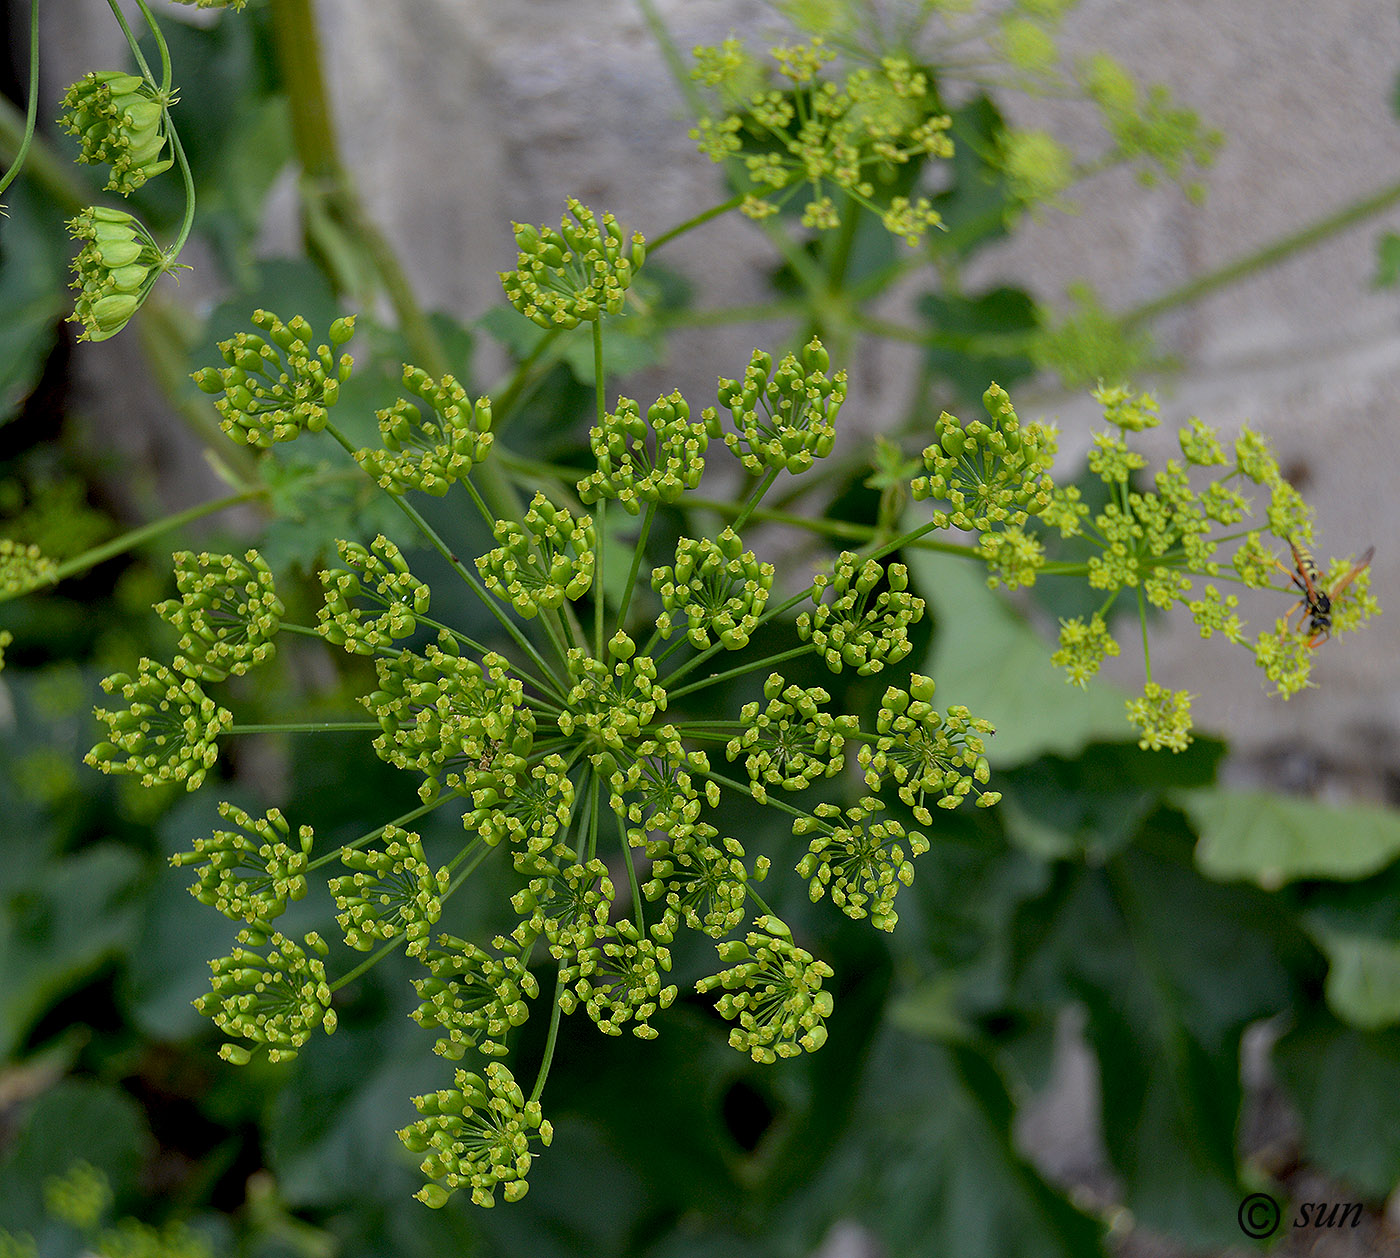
792,742
253,872
114,270
379,576
459,722
702,881
991,476
773,989
23,568
165,733
119,119
617,980
429,454
717,587
576,274
476,1135
275,999
926,752
860,628
783,419
544,564
393,891
860,859
851,137
628,471
473,998
275,386
227,614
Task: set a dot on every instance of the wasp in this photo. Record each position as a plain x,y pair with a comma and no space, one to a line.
1316,602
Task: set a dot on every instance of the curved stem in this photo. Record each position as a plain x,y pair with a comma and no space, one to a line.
31,114
550,1040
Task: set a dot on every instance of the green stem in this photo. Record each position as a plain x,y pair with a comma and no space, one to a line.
714,678
699,220
636,564
32,109
136,537
1270,254
631,876
599,515
755,498
460,569
1146,650
369,962
550,1040
308,727
407,819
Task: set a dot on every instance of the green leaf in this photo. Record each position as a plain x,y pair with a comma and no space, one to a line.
53,939
1363,976
1272,840
1387,261
1357,927
928,1164
75,1120
987,657
32,295
1345,1084
1090,806
1171,970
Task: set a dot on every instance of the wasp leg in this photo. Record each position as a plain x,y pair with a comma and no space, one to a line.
1354,573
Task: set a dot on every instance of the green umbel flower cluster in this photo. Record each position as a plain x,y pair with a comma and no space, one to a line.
927,753
275,386
574,275
380,577
1153,544
783,419
773,989
393,892
474,997
856,630
716,587
791,743
253,872
167,731
795,130
578,724
858,859
114,270
628,471
227,614
991,476
119,120
23,568
546,563
429,454
477,1136
276,999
